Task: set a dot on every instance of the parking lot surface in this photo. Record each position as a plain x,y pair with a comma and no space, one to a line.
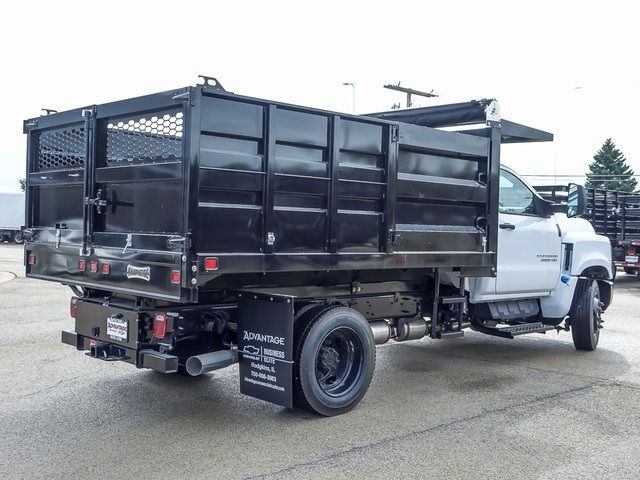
475,407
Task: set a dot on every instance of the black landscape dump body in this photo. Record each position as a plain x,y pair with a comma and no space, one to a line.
199,228
156,184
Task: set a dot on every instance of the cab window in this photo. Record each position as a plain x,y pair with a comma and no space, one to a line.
515,196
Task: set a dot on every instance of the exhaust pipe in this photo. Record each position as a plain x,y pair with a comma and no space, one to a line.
208,362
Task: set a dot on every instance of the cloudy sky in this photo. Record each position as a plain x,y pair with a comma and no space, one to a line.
567,67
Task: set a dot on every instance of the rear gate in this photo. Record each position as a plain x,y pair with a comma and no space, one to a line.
106,197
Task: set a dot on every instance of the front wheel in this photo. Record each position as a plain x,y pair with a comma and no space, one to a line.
334,363
586,315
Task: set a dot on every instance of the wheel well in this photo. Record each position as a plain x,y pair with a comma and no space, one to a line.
596,272
600,274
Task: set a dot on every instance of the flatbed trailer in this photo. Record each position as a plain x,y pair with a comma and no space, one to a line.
199,228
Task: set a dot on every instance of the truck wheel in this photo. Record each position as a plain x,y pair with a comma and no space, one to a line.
629,271
334,361
586,315
17,238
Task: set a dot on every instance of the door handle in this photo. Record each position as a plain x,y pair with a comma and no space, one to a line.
507,226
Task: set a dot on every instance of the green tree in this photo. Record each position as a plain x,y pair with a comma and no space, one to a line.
23,184
607,162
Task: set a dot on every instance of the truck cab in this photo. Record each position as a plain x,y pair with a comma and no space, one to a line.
544,252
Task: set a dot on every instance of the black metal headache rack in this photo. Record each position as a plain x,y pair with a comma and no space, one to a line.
185,179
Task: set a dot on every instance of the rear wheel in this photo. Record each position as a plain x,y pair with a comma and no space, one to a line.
629,270
334,362
17,238
586,315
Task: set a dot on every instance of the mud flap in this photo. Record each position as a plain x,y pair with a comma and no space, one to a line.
265,346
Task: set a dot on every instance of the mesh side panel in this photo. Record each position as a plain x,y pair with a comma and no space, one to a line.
62,148
150,138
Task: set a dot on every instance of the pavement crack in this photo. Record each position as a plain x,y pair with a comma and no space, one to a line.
50,387
441,426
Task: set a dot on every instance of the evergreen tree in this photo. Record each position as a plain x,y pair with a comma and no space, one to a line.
610,161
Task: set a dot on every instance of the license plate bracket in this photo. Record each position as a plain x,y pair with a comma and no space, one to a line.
118,328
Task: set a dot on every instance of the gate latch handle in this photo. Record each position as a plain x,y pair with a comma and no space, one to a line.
100,201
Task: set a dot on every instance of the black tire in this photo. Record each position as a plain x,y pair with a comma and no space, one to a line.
585,315
335,358
17,238
629,270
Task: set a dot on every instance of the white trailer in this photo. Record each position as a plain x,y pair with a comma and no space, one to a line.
11,217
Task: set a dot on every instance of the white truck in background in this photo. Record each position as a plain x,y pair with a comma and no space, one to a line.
11,217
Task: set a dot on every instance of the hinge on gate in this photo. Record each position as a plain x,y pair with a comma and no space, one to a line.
28,125
271,238
394,133
184,96
394,238
183,242
88,113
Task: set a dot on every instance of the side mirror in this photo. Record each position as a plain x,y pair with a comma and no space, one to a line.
576,200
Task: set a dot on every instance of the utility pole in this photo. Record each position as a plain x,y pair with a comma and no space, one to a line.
353,95
409,92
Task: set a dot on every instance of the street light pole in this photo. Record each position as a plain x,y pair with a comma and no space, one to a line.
353,95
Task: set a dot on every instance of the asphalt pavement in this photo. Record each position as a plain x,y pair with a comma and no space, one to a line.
469,408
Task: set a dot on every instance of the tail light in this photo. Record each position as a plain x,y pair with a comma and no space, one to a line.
73,307
160,325
176,277
31,259
93,267
82,265
211,263
106,268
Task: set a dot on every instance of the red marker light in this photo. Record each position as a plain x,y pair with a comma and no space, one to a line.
31,259
93,267
160,325
211,263
176,277
82,265
73,307
106,268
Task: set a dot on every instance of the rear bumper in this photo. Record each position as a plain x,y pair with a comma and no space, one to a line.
93,335
147,358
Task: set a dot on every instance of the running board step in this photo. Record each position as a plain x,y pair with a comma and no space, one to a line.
526,328
513,331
